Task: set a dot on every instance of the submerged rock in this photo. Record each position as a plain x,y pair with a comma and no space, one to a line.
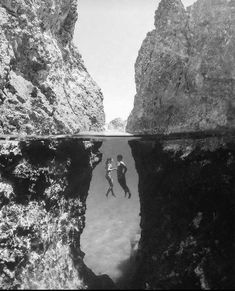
185,70
186,189
43,190
44,85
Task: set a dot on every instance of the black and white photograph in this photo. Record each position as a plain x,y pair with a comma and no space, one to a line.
117,144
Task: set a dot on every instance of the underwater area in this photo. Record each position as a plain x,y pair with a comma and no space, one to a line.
112,227
174,228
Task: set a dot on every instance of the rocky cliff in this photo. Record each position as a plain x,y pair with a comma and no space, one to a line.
117,125
43,190
185,70
186,189
44,86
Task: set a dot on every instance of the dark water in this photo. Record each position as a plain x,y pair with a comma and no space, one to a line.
112,224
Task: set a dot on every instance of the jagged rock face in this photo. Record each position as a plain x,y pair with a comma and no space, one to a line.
43,190
44,86
186,190
185,70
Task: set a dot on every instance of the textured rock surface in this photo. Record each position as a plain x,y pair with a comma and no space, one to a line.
44,86
43,190
185,70
186,190
117,124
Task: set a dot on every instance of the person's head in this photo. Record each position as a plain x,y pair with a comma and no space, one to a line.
109,161
119,158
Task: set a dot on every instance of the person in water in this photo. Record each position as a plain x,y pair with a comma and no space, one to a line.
108,176
121,175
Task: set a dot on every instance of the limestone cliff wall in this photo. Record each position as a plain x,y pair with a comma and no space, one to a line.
44,85
186,190
185,70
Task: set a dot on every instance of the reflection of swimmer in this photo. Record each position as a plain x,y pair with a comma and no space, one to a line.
121,172
109,169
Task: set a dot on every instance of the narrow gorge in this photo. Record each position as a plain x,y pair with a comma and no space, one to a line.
58,229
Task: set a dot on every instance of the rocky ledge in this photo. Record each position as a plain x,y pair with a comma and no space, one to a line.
185,70
44,85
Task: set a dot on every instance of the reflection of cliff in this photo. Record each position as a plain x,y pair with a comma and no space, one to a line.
185,69
44,86
43,189
186,190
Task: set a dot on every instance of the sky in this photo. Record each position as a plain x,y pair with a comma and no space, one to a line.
109,34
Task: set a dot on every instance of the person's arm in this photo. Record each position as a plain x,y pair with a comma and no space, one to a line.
111,169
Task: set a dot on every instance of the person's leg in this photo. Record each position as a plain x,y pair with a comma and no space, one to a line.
129,193
122,184
108,179
111,186
127,190
113,192
107,194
